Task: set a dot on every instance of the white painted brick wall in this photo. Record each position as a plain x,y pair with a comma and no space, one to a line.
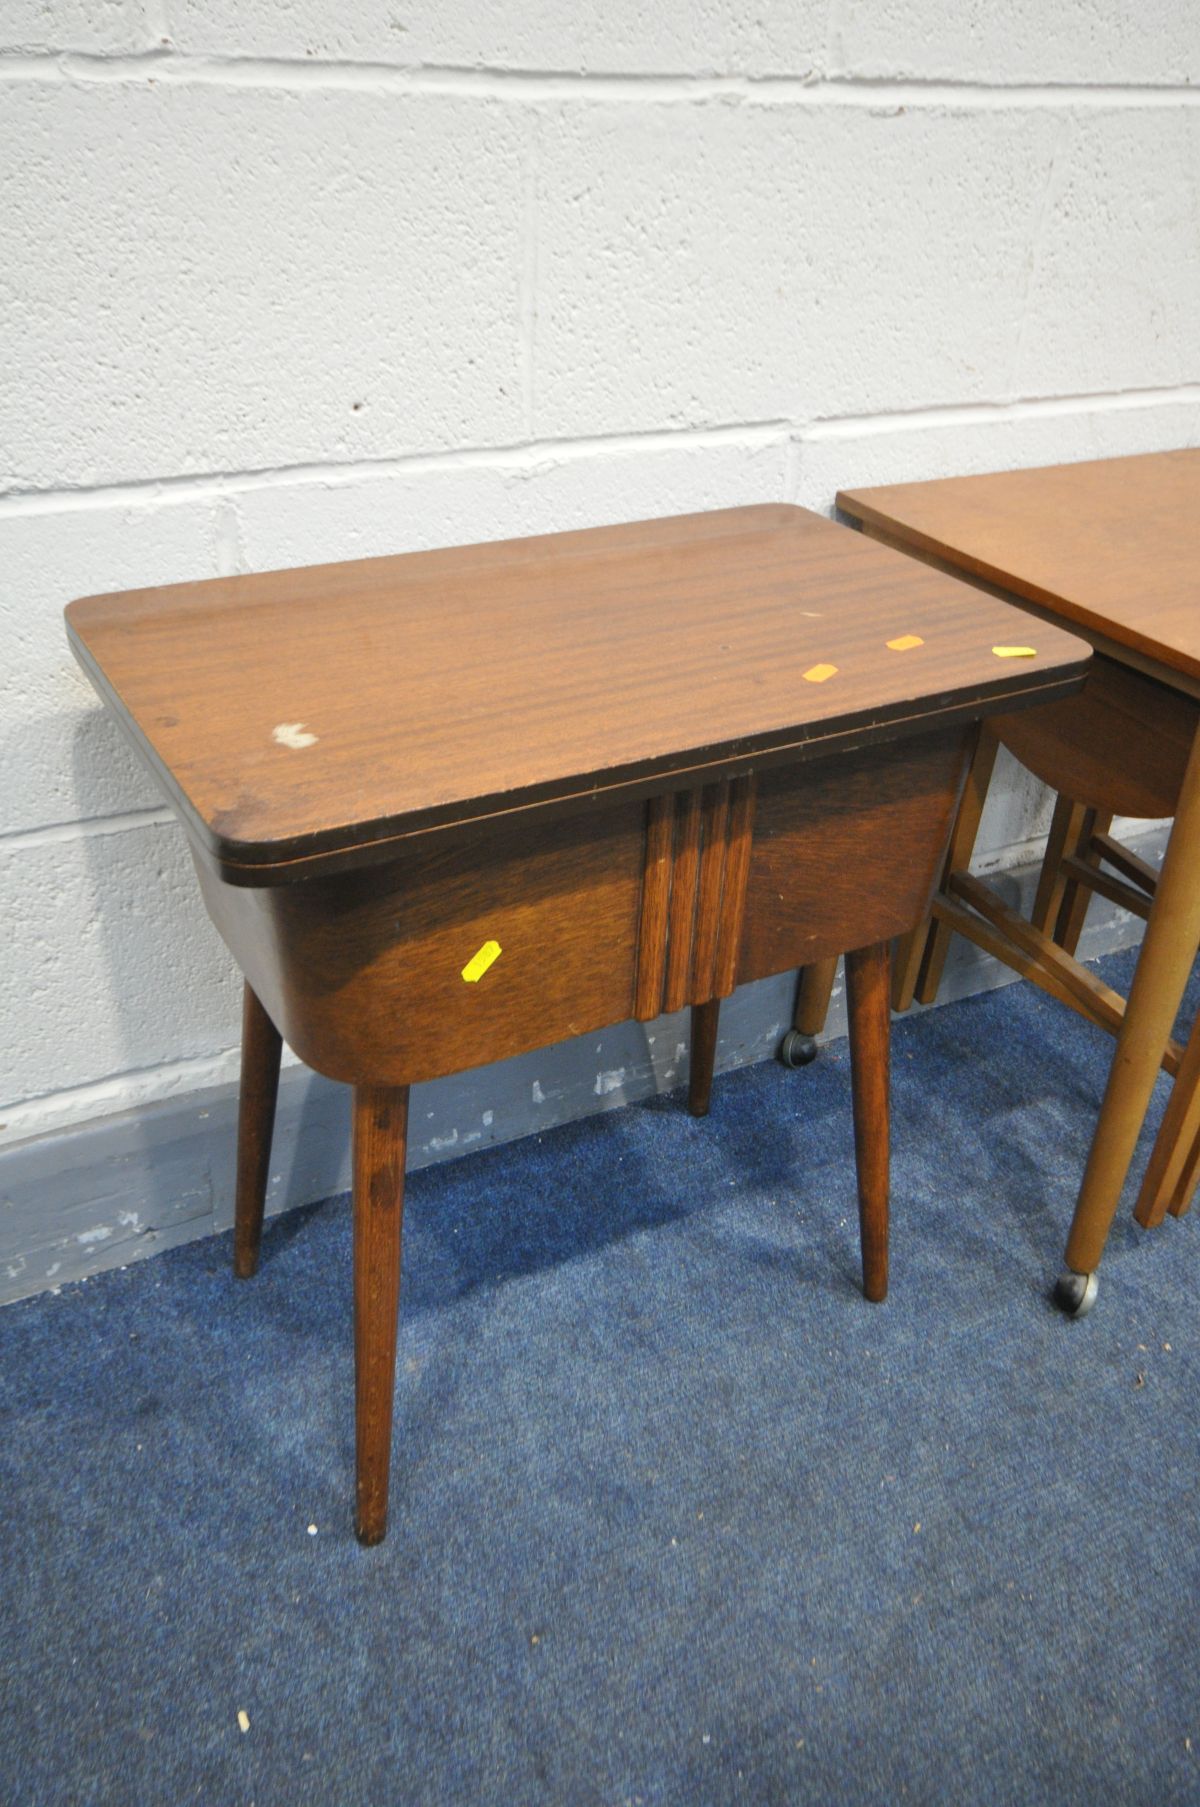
1079,41
597,36
236,279
300,280
99,27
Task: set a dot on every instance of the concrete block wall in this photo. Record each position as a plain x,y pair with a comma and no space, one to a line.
300,281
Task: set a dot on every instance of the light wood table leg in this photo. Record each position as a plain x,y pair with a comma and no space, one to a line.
380,1138
1076,895
706,1020
262,1047
1185,1190
1066,828
867,991
922,954
1170,1172
1162,972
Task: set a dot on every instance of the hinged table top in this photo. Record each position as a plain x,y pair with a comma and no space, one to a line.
298,714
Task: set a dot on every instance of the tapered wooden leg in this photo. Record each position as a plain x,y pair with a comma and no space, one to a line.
1165,1186
1162,972
1189,1178
936,942
261,1050
812,997
1076,896
910,957
1066,827
706,1019
799,1045
380,1134
867,994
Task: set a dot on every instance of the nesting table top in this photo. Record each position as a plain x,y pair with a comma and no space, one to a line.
1112,545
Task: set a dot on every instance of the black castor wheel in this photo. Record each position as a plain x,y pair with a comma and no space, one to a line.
1076,1293
796,1050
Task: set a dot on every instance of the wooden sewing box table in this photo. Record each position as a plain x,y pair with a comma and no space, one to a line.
451,806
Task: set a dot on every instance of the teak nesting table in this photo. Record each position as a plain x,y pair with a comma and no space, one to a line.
451,806
1112,548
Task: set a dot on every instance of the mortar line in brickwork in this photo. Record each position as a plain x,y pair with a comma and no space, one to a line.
525,455
158,1082
54,834
967,414
528,292
172,68
793,465
530,455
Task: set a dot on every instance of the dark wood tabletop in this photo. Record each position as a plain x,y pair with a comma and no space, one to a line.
1112,545
297,713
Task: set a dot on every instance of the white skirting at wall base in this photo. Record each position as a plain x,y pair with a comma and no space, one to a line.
100,1194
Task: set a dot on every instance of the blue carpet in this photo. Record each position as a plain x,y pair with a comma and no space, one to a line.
676,1516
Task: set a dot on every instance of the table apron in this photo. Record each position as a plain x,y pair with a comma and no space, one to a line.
1120,745
389,974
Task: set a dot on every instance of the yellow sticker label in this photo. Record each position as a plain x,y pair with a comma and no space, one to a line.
478,964
1015,652
905,643
817,674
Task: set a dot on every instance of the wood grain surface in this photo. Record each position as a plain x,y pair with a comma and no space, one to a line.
693,895
1121,744
364,971
846,851
261,1053
1112,545
295,715
868,990
380,1142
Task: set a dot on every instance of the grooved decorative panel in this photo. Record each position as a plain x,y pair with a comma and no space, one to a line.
693,895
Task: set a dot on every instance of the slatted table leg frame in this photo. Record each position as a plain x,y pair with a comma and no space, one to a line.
922,953
1066,833
1109,545
1077,889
